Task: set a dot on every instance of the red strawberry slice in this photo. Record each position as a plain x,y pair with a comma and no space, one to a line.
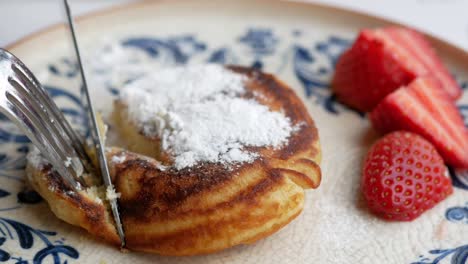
381,61
403,176
425,109
367,72
419,47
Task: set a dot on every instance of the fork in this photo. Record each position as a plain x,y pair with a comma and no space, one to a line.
25,102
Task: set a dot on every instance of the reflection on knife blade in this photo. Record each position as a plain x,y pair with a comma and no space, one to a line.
97,138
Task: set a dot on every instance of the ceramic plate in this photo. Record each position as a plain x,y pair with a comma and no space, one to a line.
298,42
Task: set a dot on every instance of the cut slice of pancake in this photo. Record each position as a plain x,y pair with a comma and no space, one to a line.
203,208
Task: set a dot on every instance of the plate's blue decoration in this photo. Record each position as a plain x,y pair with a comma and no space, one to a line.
14,135
460,177
12,231
457,255
458,214
11,175
177,50
463,84
6,133
28,197
261,41
459,180
64,67
314,66
223,55
3,193
333,48
12,164
11,170
310,61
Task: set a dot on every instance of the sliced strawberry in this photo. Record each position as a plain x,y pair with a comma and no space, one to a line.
381,61
367,72
425,109
419,47
439,105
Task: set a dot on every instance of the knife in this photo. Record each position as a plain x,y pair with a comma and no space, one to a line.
96,136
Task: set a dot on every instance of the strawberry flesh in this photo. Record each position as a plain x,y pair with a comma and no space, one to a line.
382,60
420,48
425,109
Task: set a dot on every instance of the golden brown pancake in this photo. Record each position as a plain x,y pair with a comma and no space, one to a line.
204,208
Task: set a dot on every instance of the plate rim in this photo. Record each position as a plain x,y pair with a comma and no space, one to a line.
448,46
439,41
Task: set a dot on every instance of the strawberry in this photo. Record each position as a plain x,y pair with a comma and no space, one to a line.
417,44
382,60
424,109
404,176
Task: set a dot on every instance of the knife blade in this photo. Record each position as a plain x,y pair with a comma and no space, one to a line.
96,136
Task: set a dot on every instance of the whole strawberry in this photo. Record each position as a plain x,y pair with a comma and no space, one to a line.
403,176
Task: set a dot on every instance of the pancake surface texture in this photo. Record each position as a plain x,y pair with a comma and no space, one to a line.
177,198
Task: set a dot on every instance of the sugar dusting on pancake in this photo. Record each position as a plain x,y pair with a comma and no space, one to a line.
207,207
199,115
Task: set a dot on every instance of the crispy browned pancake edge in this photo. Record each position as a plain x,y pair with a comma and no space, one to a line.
208,207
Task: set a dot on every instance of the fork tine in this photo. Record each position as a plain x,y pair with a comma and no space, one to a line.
27,104
40,110
38,91
57,143
49,131
38,133
51,108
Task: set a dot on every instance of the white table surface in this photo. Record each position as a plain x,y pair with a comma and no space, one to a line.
447,19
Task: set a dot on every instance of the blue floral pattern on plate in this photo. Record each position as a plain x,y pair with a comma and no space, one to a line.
27,236
312,66
457,255
457,214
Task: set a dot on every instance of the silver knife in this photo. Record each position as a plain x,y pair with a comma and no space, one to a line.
95,133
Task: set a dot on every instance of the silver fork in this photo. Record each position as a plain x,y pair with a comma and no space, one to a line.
25,102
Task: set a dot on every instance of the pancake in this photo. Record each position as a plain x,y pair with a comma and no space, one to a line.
202,208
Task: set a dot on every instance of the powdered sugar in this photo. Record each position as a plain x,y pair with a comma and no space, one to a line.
113,64
35,159
117,159
198,114
68,162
